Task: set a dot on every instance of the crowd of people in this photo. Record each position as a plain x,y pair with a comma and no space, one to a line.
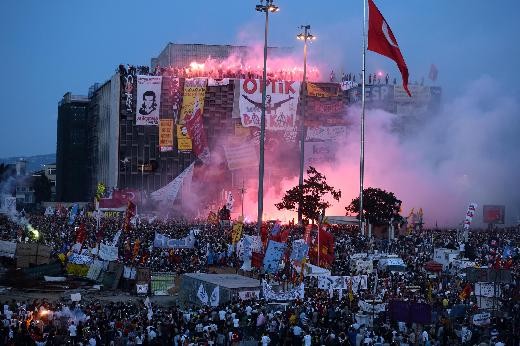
322,318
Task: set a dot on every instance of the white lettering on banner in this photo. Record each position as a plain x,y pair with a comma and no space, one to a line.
108,252
326,133
246,295
7,248
148,100
482,319
281,103
293,294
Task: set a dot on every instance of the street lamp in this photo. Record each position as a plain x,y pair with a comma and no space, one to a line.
268,7
305,36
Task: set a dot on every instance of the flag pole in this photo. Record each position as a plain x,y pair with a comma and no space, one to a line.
362,150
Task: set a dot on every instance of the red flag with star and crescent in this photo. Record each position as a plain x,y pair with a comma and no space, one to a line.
381,40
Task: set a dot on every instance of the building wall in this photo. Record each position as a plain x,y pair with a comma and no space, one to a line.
72,155
50,173
104,112
181,55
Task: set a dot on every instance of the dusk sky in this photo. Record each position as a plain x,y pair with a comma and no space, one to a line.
51,47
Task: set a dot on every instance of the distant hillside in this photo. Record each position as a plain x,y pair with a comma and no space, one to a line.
34,163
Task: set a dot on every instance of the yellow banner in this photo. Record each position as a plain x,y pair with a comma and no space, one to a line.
236,234
183,139
77,269
166,134
314,90
193,99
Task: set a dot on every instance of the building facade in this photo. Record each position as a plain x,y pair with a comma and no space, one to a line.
72,154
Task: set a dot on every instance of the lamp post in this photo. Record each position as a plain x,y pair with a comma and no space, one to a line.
303,36
268,7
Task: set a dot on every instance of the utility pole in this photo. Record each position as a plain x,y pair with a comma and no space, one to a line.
268,7
303,36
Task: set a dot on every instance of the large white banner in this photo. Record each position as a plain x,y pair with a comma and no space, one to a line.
168,193
148,100
487,289
108,252
246,295
163,242
280,105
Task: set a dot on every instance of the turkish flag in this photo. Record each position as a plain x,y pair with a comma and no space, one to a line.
381,40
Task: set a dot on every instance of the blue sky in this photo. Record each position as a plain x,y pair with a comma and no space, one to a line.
51,47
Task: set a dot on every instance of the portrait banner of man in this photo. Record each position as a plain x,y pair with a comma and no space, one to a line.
280,105
148,100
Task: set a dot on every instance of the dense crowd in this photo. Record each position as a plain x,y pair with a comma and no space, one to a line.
322,318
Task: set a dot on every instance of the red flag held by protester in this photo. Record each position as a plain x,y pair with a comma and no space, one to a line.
130,213
381,40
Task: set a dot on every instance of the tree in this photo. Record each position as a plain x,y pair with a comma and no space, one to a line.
379,206
42,188
315,187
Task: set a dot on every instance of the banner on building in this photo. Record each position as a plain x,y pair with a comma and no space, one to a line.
193,98
148,100
166,135
176,97
326,133
324,107
297,292
163,242
108,252
184,143
240,156
318,153
168,193
317,91
214,298
346,85
280,107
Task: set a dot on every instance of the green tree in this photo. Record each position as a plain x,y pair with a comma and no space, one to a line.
42,188
315,187
379,206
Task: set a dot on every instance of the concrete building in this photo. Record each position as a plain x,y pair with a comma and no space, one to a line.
179,55
50,173
72,155
104,138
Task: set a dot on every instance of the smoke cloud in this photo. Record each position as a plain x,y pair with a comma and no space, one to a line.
468,152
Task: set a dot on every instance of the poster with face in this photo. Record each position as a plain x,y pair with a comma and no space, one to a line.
148,100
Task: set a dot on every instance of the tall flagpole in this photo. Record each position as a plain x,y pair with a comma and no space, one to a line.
362,154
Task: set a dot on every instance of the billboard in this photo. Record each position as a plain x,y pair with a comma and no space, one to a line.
494,214
376,96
